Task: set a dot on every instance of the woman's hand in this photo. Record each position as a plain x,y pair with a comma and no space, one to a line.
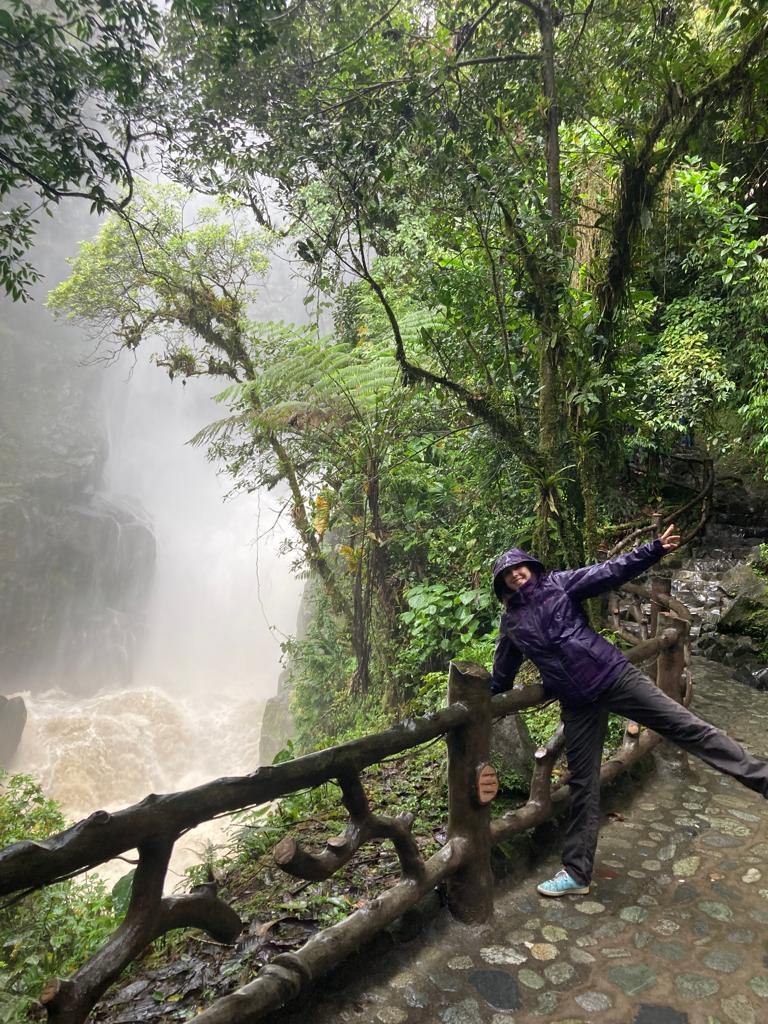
669,539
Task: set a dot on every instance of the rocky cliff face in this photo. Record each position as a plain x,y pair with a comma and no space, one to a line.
277,725
75,562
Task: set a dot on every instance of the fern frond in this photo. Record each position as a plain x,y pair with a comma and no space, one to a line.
301,415
218,429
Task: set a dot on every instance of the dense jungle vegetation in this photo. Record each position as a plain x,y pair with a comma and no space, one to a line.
533,239
534,244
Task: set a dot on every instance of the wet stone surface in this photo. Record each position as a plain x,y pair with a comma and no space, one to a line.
672,931
648,1014
497,988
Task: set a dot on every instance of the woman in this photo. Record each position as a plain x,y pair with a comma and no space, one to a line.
543,620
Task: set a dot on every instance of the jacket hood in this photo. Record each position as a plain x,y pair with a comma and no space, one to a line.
515,556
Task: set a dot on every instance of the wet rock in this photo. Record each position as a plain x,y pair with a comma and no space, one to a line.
131,992
512,752
745,675
632,978
594,1002
277,725
559,974
402,979
461,963
720,841
590,907
748,615
695,986
686,866
498,988
391,1015
759,985
650,1014
580,956
666,927
554,934
530,979
717,911
546,1004
415,998
446,981
670,951
543,951
465,1012
13,718
276,728
723,960
738,1010
502,955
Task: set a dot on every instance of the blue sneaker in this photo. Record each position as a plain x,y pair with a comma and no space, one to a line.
562,885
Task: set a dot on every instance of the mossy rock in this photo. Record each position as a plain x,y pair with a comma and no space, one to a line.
512,752
748,615
13,718
276,729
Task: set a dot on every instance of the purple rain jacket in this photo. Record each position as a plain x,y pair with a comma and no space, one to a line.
543,621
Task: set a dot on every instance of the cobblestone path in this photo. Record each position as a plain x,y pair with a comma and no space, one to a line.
674,931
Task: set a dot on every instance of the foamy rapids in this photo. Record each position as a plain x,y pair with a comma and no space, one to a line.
111,750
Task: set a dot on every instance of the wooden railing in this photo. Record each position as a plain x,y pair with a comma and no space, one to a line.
695,512
463,863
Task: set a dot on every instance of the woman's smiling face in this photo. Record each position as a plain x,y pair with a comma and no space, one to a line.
516,576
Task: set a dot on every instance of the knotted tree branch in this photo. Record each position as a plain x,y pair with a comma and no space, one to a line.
362,828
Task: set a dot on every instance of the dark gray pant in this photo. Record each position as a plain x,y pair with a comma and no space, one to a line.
633,695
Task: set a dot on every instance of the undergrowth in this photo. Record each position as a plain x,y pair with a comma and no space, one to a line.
51,932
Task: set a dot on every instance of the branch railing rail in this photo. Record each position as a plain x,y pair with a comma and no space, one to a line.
701,503
463,863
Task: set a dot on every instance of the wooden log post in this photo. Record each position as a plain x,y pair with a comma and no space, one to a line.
659,585
544,761
149,915
363,826
670,664
614,610
470,889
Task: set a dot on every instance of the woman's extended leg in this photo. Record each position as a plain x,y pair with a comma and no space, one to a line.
636,697
584,736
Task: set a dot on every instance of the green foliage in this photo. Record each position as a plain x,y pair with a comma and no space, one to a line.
684,381
183,279
506,327
441,621
415,782
760,565
711,353
321,666
74,75
431,694
542,721
121,893
50,932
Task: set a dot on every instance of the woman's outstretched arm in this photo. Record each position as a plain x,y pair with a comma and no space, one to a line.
506,662
596,579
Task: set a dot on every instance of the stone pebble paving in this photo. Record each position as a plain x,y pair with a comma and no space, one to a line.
674,930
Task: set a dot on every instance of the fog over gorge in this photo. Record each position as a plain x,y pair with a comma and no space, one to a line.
140,618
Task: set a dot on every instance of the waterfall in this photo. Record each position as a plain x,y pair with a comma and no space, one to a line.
146,615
